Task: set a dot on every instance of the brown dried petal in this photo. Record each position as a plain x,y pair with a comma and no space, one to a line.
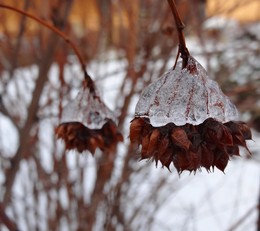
233,150
162,147
60,131
145,145
100,141
213,129
207,157
119,137
195,160
181,161
245,130
226,136
136,128
167,158
154,138
221,160
93,144
180,138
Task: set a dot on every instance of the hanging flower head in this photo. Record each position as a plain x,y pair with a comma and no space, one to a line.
185,119
88,124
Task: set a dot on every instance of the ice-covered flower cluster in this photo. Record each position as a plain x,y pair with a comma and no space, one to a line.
88,124
184,118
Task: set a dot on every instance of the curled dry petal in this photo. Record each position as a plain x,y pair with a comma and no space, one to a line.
77,136
136,129
190,147
221,160
162,147
145,145
153,144
166,158
245,130
207,157
181,161
180,138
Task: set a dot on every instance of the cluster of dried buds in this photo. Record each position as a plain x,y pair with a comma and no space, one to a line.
79,137
190,147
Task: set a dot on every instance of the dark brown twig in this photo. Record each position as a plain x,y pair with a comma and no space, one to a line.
88,81
32,110
180,26
243,218
6,220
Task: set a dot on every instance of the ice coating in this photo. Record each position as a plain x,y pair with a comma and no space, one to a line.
183,96
87,109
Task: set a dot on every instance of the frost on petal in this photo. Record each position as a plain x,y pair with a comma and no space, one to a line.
87,109
183,96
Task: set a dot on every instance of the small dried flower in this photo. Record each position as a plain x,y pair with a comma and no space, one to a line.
185,119
87,124
79,137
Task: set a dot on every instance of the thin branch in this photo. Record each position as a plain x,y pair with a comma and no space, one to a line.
32,111
243,218
6,220
88,81
180,26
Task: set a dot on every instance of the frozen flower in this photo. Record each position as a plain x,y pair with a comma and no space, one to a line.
185,119
88,124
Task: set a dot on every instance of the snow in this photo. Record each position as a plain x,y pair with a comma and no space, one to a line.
183,96
87,109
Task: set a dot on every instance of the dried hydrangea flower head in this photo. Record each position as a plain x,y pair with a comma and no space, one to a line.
88,124
185,119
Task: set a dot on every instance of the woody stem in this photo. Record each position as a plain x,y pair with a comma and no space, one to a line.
180,26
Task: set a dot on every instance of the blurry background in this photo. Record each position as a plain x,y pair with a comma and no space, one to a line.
126,45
